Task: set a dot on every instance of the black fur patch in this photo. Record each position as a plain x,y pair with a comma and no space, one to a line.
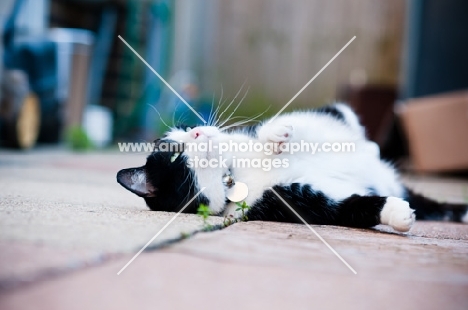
251,130
332,111
175,183
316,208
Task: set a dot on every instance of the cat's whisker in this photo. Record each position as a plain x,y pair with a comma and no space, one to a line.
216,116
211,110
174,114
235,125
235,109
232,101
159,115
186,179
241,124
243,117
253,119
178,120
213,114
246,121
192,185
219,105
182,118
247,117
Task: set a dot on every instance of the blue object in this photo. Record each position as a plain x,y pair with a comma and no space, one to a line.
37,57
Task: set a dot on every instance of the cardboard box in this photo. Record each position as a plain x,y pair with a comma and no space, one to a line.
437,131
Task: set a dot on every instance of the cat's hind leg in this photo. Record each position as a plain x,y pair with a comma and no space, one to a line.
391,211
317,208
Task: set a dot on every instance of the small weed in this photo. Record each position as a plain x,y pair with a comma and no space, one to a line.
204,211
243,207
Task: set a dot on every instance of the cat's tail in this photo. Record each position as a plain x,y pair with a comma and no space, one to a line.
429,209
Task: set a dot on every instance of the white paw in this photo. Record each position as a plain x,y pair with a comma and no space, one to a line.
280,133
231,211
276,133
397,213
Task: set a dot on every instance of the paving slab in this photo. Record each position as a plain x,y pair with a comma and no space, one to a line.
258,265
24,263
55,203
67,228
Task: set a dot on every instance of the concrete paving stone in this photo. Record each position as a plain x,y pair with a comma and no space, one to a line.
69,205
369,252
259,265
69,200
23,263
67,228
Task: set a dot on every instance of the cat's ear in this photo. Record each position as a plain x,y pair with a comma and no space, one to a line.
134,179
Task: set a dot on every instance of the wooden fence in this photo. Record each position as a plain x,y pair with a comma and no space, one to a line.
278,45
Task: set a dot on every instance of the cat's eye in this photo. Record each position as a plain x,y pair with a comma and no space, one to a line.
188,129
174,157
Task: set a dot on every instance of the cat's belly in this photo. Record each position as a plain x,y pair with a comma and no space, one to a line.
338,176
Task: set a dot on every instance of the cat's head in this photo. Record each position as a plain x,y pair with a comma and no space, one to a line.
169,179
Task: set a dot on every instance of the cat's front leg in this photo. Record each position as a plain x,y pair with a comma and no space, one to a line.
276,133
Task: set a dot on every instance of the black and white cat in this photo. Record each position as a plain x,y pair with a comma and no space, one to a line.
355,188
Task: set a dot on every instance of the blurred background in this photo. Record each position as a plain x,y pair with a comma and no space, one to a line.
67,77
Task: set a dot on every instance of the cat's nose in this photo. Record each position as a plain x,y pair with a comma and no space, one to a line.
195,133
207,132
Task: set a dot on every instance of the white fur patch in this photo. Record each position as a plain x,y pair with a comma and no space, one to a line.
337,175
398,214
